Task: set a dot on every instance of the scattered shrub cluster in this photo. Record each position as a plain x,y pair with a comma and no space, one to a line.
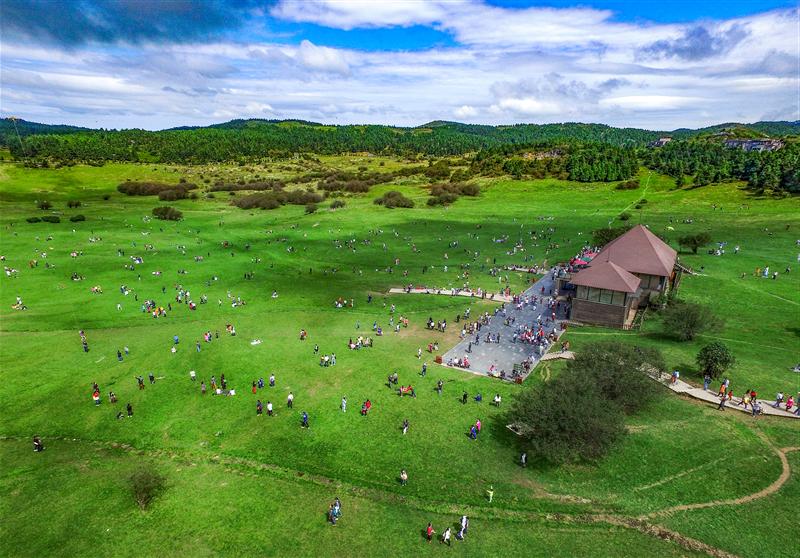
73,203
275,199
337,204
44,205
311,208
624,216
255,185
33,219
167,213
146,485
443,194
51,219
77,218
393,198
165,192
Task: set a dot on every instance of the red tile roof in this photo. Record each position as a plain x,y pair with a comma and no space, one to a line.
639,251
606,275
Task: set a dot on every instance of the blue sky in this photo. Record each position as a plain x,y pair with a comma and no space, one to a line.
156,64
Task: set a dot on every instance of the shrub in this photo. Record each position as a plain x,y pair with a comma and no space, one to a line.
685,320
146,485
311,208
73,203
107,197
695,241
167,213
51,218
45,205
337,204
171,195
77,218
627,185
601,237
714,359
132,188
624,216
393,198
33,219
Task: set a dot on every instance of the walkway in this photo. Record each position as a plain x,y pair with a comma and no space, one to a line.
505,355
491,297
711,397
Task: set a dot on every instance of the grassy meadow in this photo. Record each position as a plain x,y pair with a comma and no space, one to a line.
239,483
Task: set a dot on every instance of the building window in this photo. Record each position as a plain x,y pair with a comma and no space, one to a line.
582,292
594,294
605,296
618,299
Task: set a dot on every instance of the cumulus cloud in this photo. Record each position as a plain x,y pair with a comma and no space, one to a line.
466,112
324,59
698,43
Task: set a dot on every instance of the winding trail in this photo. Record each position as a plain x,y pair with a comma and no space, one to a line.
249,467
786,472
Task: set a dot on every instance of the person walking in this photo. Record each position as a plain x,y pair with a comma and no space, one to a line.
778,400
405,426
722,401
305,420
192,375
290,400
490,493
446,536
706,382
464,398
403,477
272,380
202,387
269,408
259,408
129,408
152,378
344,404
523,459
439,386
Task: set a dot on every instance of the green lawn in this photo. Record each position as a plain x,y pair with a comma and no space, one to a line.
204,445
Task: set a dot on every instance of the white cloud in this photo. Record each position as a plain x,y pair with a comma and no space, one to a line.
650,102
466,111
324,59
349,14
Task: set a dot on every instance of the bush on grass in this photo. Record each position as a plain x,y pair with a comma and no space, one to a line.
167,213
146,485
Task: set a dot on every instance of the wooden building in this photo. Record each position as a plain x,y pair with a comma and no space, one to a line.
622,277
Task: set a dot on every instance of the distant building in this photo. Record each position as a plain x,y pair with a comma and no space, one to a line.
660,142
622,277
754,144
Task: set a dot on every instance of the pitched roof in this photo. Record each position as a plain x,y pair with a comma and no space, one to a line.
606,275
640,251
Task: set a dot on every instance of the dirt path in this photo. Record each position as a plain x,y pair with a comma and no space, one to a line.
251,468
786,472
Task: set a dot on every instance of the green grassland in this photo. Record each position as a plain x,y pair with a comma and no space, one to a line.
240,483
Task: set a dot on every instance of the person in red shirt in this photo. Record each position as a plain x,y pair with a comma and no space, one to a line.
429,532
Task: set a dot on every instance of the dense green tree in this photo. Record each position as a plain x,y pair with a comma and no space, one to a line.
714,359
685,320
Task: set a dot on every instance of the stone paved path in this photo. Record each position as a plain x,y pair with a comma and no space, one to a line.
504,355
491,297
711,397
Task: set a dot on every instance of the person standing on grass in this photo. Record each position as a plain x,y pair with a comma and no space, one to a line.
290,400
490,493
129,408
192,375
403,477
439,386
523,459
343,405
429,532
140,381
464,398
96,397
119,355
254,388
259,408
203,387
272,380
305,420
39,446
405,426
269,408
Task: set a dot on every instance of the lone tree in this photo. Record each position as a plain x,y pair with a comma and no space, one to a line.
714,359
580,414
563,421
685,320
694,241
